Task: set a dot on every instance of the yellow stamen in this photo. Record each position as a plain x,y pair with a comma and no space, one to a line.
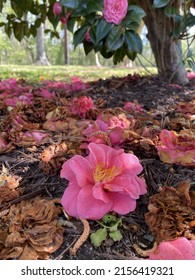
105,175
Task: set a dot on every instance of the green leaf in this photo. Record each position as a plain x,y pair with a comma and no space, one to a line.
72,4
116,235
95,6
56,21
103,28
115,38
136,12
98,236
160,3
88,47
79,36
108,219
133,41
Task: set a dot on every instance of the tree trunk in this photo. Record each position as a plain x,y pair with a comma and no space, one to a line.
66,47
167,50
97,61
40,45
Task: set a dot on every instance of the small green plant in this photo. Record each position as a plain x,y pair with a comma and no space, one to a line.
109,227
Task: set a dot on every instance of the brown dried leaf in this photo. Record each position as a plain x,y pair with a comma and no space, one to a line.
171,212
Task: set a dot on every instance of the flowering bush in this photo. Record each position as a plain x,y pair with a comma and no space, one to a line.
106,26
106,180
82,104
178,249
177,147
115,10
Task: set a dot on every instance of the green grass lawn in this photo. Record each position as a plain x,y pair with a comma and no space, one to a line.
34,73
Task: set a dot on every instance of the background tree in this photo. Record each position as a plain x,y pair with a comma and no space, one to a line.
40,46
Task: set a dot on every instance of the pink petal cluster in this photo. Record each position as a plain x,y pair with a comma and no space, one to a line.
81,105
57,8
115,10
99,132
176,147
117,121
133,107
106,180
178,249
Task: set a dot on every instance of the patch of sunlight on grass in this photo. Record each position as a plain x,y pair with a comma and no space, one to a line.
34,73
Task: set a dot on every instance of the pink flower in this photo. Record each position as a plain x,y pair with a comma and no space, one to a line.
57,8
176,147
64,20
133,107
81,105
106,180
178,249
87,36
115,10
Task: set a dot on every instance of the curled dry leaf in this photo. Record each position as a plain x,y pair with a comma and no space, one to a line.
53,157
8,186
31,230
5,145
172,213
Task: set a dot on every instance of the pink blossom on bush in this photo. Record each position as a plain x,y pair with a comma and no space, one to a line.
115,10
106,180
178,249
64,20
57,8
176,147
81,105
87,36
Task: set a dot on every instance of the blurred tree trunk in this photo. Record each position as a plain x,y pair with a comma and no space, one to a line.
66,46
40,45
97,61
167,50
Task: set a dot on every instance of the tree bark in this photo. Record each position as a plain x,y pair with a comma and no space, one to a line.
66,47
40,45
167,50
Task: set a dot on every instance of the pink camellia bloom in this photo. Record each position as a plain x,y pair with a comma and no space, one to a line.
81,105
178,249
115,10
57,8
106,180
176,147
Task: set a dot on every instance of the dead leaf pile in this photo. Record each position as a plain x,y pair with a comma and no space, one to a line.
30,230
172,212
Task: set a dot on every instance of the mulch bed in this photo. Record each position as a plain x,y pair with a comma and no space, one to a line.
155,96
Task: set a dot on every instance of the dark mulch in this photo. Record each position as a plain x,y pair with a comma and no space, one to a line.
152,93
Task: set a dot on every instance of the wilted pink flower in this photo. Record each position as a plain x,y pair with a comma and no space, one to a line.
99,132
57,8
47,94
106,180
176,147
117,121
81,105
115,10
178,249
133,107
